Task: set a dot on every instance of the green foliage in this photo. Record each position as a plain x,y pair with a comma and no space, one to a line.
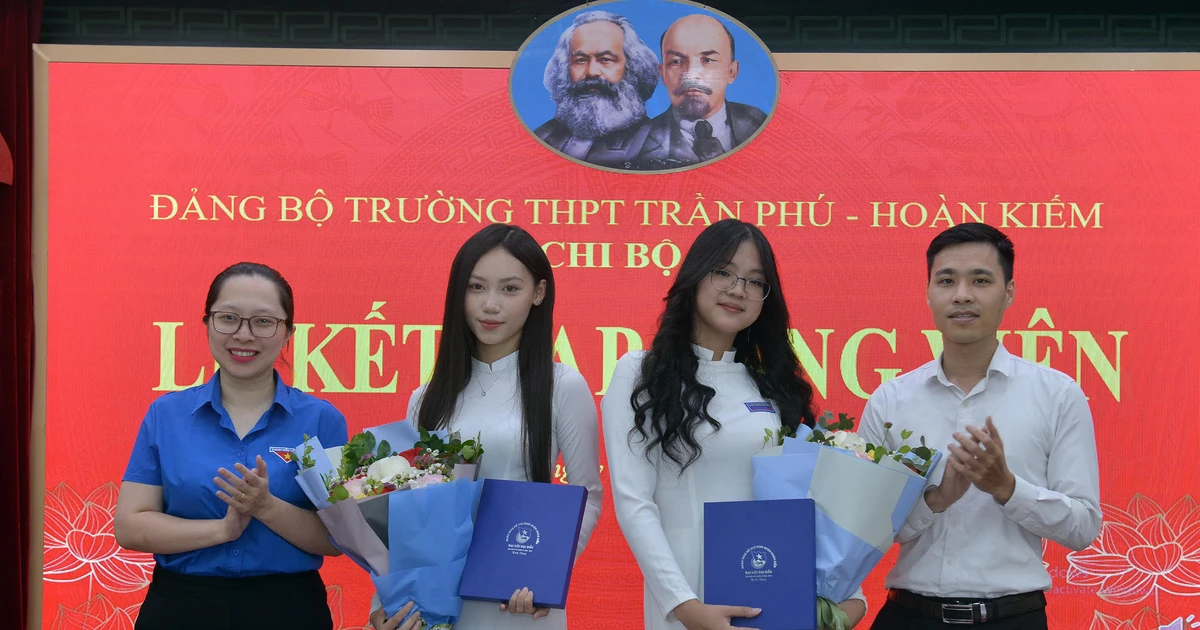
452,450
916,458
845,422
359,452
775,438
830,617
306,459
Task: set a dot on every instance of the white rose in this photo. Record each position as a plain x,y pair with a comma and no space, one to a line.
388,467
850,441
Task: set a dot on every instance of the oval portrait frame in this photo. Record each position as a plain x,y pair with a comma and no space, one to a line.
525,65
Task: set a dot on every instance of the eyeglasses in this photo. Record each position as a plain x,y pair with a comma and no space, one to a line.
261,326
725,280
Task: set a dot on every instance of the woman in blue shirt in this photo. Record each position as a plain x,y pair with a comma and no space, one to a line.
236,543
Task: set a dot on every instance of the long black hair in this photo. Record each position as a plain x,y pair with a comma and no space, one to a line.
669,403
535,364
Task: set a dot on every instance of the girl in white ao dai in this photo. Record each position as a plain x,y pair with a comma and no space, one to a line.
495,377
680,425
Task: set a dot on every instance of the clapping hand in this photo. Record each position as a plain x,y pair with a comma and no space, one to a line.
249,494
979,457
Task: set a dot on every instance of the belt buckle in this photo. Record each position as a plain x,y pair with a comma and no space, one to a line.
958,620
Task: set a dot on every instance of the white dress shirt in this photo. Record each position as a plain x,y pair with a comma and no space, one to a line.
979,548
497,418
720,125
661,512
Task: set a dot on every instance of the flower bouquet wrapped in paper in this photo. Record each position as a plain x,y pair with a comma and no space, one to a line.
863,494
406,518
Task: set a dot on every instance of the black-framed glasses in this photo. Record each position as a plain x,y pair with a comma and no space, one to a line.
726,280
262,326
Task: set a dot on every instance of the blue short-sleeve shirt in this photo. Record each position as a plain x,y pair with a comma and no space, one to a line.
187,435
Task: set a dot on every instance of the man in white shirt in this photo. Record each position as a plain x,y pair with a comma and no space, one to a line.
1020,465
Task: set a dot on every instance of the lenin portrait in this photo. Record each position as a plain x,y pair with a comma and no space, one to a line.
644,86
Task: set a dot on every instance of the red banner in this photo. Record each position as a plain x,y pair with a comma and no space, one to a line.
359,184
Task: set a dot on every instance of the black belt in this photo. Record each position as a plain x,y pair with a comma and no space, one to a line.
965,611
167,581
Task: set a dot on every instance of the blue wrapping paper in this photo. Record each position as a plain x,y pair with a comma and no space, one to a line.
861,506
429,533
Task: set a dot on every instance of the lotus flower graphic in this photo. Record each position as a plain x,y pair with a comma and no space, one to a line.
522,536
758,561
1145,619
1142,550
80,543
97,613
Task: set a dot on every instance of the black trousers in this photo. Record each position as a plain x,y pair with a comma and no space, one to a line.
893,617
285,601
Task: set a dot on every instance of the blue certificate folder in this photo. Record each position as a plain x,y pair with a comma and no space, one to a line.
525,537
762,554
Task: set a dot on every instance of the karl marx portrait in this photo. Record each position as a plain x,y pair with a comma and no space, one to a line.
599,76
602,80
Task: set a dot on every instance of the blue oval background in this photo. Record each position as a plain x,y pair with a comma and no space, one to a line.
757,82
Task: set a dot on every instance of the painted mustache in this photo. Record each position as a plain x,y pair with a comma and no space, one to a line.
602,86
692,84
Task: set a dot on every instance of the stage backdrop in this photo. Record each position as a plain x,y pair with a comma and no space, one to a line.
359,184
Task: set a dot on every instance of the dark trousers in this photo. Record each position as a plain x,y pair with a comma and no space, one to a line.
893,617
285,601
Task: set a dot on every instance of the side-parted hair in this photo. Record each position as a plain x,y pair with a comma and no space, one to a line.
972,233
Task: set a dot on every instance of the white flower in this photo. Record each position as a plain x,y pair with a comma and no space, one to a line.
388,467
850,441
